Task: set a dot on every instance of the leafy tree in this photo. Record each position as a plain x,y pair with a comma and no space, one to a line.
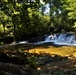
70,6
25,20
59,16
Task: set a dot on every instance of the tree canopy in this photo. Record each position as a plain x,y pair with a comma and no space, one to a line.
24,19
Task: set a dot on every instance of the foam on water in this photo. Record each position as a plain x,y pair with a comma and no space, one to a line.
61,39
51,38
66,39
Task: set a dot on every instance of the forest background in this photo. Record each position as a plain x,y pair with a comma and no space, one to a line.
24,19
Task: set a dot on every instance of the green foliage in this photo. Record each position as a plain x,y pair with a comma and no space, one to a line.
1,29
70,7
59,16
24,18
32,61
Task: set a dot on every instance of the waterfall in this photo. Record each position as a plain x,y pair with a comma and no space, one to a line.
60,39
65,39
51,38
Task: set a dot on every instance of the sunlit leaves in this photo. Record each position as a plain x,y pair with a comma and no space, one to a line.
1,28
25,17
74,24
5,0
18,4
71,8
30,12
3,16
15,12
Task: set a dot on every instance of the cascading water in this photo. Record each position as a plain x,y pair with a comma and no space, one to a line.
65,39
61,39
56,39
51,38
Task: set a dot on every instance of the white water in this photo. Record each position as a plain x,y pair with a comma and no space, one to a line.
51,38
61,39
56,39
65,39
